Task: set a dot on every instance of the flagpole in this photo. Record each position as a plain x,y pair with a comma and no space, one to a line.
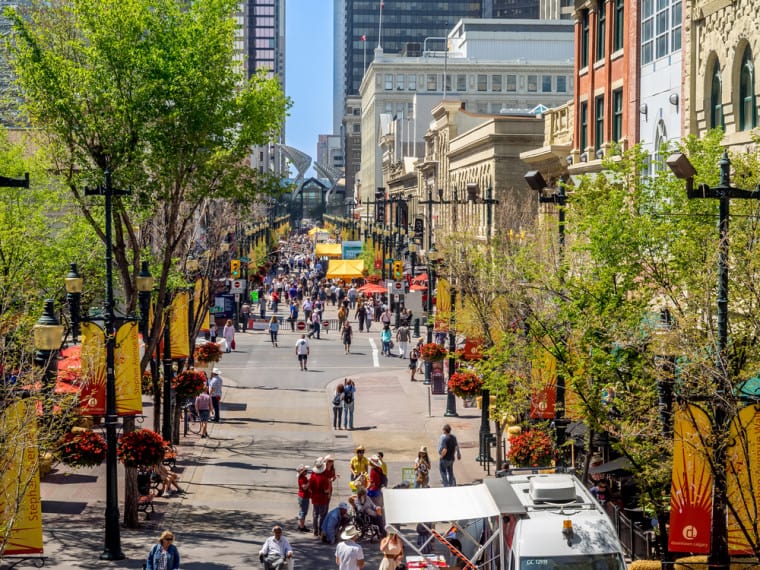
364,42
380,30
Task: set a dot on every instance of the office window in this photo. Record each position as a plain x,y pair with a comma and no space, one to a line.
511,82
356,128
496,83
601,26
412,83
660,28
585,37
675,18
598,122
432,82
546,83
617,115
410,110
716,98
561,84
583,142
482,82
400,81
461,82
448,83
532,83
619,34
388,81
482,107
747,106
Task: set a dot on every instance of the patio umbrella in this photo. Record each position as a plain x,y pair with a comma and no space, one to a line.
421,278
371,289
417,287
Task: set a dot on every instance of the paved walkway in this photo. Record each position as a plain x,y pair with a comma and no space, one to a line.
242,479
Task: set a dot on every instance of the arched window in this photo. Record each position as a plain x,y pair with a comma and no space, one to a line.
660,146
747,106
716,98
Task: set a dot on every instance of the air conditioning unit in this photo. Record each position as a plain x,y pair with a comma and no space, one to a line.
554,489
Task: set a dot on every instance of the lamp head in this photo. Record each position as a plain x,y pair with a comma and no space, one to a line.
681,167
535,180
73,280
48,332
144,278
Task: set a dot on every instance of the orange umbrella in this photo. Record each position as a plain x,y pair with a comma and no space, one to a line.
417,287
421,278
371,289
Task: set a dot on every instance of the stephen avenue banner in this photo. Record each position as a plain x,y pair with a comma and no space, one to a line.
543,372
743,478
92,398
20,499
691,487
442,304
179,325
127,370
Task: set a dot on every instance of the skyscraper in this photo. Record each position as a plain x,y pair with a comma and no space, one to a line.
260,43
513,9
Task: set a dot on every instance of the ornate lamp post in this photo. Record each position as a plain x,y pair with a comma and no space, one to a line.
74,284
144,288
432,260
451,399
48,335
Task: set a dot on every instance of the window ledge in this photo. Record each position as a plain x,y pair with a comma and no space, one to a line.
599,64
583,70
617,54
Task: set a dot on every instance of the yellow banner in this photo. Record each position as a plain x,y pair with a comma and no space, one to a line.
201,303
179,326
742,472
127,370
20,502
92,397
691,487
442,304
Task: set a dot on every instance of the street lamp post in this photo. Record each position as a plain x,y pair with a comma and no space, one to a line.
723,417
74,285
432,259
48,334
451,399
144,288
112,546
166,420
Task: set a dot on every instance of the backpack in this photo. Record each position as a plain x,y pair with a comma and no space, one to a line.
336,400
348,397
383,479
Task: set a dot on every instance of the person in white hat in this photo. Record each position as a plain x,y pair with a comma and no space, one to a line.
320,489
348,554
374,489
334,521
215,389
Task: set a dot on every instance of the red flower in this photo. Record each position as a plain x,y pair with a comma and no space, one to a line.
465,384
208,352
432,352
533,448
189,383
141,448
82,449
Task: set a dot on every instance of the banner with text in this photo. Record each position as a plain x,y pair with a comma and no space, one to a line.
127,370
179,317
543,372
92,398
691,486
743,488
442,305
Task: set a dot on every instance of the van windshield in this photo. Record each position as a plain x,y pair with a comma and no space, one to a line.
583,562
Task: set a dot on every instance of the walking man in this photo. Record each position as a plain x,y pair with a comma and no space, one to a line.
448,449
302,351
215,390
402,337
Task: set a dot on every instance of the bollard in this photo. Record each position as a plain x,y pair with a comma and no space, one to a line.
416,327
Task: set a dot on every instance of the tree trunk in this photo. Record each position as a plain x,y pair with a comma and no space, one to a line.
499,445
156,395
130,484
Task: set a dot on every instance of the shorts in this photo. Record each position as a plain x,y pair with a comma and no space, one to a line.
412,364
302,356
204,415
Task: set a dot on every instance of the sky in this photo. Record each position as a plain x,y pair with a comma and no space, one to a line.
308,72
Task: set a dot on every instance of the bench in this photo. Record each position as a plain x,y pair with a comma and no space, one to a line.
145,504
170,457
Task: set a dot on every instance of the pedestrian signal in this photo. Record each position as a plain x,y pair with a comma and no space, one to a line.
235,268
398,270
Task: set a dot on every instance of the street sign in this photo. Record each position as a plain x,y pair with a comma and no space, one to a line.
237,297
301,325
398,286
419,228
237,286
326,325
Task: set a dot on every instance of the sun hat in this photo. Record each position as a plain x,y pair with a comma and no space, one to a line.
375,460
423,449
328,457
343,505
348,533
216,371
360,448
390,530
301,468
319,466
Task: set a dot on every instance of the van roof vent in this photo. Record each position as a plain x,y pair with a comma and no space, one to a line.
554,489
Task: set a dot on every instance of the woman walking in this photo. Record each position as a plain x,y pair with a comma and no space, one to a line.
422,469
385,337
274,326
414,357
228,333
164,555
337,406
392,549
349,395
346,333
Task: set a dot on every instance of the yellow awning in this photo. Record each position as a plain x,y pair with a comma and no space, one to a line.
329,250
345,269
314,230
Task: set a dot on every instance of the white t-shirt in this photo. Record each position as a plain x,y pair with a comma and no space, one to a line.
302,346
348,554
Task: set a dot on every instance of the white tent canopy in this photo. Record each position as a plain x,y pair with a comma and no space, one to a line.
438,504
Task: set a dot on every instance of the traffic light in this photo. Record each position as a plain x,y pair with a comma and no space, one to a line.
235,268
398,270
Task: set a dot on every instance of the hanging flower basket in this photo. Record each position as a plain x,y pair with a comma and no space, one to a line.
532,448
207,352
141,448
82,449
465,384
432,352
189,383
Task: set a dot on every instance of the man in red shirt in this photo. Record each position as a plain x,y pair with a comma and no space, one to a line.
319,486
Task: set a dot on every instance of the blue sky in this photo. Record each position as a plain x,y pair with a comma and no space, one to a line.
308,72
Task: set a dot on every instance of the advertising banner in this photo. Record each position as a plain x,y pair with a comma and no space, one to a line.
20,499
179,326
352,249
200,303
92,398
127,370
691,487
544,375
443,305
743,490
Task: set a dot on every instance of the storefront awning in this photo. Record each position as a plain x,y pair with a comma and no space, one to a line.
345,269
334,250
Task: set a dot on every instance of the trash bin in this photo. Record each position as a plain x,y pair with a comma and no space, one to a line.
438,381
